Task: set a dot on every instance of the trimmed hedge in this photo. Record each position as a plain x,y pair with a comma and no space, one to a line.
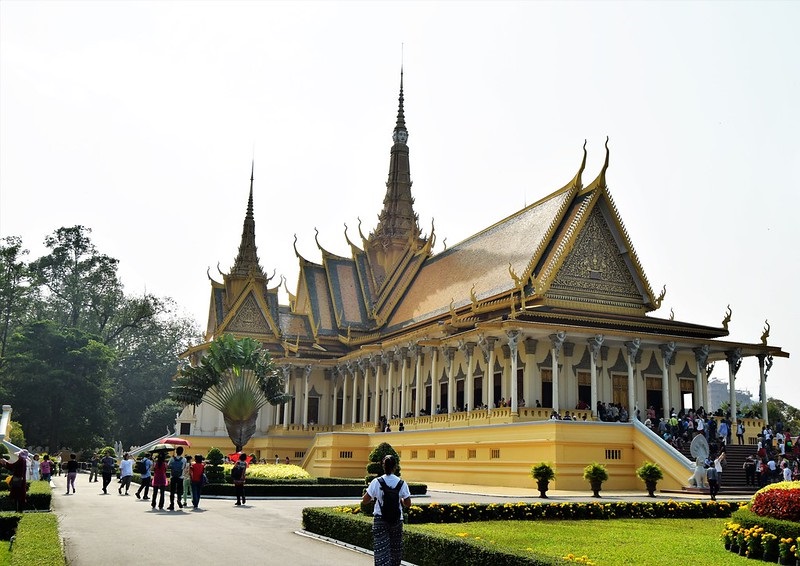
744,517
418,548
37,541
39,498
349,524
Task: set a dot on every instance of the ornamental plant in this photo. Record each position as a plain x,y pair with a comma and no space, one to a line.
543,472
779,500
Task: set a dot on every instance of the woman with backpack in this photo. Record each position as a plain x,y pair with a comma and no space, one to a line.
391,495
238,473
197,473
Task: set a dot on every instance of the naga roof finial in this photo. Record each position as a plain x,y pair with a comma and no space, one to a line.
765,334
727,319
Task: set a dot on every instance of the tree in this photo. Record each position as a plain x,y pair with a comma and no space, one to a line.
237,377
157,418
57,380
82,289
15,289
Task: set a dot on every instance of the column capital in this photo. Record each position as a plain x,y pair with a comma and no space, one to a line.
595,343
667,352
734,359
701,354
486,344
633,347
307,371
557,341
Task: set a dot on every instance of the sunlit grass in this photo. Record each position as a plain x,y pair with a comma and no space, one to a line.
643,542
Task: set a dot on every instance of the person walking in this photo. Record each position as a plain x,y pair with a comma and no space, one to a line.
159,479
125,473
19,485
107,465
146,478
72,472
391,495
238,473
176,478
46,468
713,483
94,467
197,473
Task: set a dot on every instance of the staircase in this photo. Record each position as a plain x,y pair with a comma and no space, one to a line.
733,477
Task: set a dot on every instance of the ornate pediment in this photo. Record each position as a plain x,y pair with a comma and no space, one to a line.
249,318
595,271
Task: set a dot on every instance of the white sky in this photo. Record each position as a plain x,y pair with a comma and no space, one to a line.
139,120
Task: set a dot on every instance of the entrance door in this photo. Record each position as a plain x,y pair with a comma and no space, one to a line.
619,384
547,388
654,395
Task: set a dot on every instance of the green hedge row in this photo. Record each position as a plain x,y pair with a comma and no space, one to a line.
782,529
37,541
39,497
418,548
350,524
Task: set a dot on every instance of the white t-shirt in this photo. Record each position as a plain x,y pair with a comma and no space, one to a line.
375,491
126,468
787,474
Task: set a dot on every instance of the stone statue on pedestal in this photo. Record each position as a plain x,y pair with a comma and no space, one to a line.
699,450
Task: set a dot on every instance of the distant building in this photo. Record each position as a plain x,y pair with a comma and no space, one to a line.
718,393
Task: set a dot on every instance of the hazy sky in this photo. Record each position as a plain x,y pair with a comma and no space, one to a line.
140,120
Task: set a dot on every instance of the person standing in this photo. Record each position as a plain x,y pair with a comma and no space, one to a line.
196,473
740,434
719,462
125,473
72,472
749,471
46,468
146,477
238,473
187,479
19,485
387,525
713,483
35,466
107,465
94,467
176,478
159,479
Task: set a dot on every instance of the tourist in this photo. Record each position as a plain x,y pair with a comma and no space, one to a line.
196,472
740,434
286,462
749,467
159,479
238,474
787,471
107,466
46,468
719,462
387,533
176,478
145,478
187,479
35,466
72,472
713,482
18,486
125,473
277,459
94,467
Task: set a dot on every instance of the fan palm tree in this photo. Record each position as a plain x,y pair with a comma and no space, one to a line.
237,377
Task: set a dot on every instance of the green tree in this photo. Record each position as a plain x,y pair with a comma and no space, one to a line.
16,435
237,377
58,384
157,419
15,289
81,288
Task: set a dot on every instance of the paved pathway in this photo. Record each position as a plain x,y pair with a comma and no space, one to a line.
111,529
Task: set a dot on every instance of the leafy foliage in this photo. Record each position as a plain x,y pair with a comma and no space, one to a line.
237,377
543,472
780,501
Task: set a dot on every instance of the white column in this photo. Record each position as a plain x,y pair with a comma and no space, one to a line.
594,352
335,404
449,354
417,378
667,351
287,372
764,365
734,358
469,397
345,376
529,349
490,376
633,350
405,390
354,396
377,367
435,391
513,343
701,357
306,373
557,341
387,358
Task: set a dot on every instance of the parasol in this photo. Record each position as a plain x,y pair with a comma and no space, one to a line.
176,441
163,447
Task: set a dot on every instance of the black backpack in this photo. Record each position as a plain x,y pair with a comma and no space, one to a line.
237,472
390,507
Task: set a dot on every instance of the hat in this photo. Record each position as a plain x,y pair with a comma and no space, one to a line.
23,454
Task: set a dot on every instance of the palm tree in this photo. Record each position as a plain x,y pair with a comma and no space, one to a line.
238,378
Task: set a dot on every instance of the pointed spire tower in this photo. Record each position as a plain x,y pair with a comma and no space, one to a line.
398,224
246,262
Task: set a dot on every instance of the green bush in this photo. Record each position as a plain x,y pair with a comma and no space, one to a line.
39,498
37,541
778,527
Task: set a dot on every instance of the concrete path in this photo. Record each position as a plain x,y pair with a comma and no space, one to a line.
111,529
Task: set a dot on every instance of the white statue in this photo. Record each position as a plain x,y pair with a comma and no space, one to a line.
699,451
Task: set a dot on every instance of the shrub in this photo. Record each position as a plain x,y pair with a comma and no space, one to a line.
649,472
543,472
780,501
37,540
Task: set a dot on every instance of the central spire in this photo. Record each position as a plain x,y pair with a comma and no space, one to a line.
247,259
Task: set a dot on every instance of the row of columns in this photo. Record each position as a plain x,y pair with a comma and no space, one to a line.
359,370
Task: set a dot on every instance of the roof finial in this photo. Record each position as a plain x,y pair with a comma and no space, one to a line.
247,259
400,134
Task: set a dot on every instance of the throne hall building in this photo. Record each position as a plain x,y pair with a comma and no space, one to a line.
466,353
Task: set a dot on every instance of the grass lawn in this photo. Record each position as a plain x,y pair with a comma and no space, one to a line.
643,542
5,555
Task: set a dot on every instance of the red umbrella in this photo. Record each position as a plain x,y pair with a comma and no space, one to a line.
175,441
